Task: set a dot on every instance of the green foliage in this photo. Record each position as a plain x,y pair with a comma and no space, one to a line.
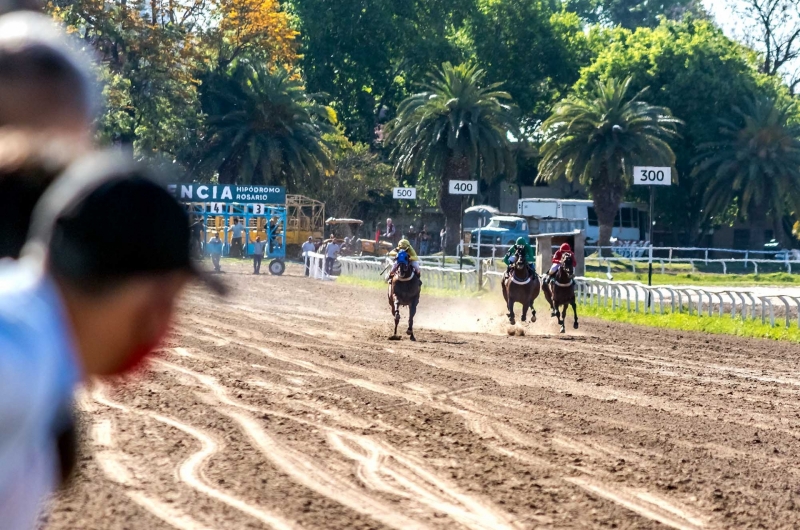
755,162
632,14
368,55
534,50
696,72
359,179
457,127
598,138
263,128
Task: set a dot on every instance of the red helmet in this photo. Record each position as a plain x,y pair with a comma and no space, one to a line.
565,247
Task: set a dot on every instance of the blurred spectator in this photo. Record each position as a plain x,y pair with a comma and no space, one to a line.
81,302
45,84
214,248
443,238
198,237
29,163
412,236
258,255
424,241
391,232
237,239
308,246
331,251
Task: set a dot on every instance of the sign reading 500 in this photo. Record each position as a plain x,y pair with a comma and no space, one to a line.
652,176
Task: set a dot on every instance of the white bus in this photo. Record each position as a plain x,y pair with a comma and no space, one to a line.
629,225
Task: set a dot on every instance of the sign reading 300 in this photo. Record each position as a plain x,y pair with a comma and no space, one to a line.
217,193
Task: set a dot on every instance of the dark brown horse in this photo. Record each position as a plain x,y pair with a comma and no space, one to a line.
404,290
520,286
560,291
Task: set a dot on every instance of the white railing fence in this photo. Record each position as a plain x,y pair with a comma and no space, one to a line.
633,256
316,266
736,303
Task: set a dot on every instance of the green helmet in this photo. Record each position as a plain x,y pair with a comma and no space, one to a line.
521,241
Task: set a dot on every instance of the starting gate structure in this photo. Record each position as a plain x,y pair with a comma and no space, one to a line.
260,209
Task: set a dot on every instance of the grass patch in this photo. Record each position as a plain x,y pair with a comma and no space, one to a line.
427,291
700,278
682,321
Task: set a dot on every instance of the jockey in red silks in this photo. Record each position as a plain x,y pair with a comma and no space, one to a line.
557,259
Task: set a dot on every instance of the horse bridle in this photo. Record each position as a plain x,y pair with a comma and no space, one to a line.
567,255
519,259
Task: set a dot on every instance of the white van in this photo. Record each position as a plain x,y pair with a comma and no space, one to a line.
629,225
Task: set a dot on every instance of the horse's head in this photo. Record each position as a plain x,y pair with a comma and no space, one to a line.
520,263
403,264
566,264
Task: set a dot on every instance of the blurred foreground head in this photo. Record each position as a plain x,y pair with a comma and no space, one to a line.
29,163
45,83
117,244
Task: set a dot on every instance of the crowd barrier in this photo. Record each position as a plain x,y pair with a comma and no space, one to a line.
737,303
316,266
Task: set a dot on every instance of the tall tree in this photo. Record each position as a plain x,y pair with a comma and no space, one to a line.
368,55
632,14
675,60
458,128
773,28
755,164
263,128
597,139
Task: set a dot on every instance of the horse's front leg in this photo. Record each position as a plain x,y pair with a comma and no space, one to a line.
562,316
396,315
511,318
411,312
574,313
524,312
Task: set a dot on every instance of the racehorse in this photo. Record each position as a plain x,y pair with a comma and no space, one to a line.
560,291
520,286
404,289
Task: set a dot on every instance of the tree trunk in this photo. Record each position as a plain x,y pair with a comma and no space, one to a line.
456,169
607,195
229,171
781,234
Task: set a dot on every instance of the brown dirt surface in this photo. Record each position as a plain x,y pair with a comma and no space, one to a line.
286,406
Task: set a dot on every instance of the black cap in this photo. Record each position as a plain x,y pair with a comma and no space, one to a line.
107,219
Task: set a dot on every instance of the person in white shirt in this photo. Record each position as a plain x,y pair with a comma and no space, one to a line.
331,251
258,255
238,232
308,246
80,302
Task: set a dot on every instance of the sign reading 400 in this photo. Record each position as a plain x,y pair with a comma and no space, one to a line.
652,176
228,193
463,187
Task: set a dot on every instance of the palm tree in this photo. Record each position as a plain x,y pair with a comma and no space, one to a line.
755,163
456,128
263,128
597,139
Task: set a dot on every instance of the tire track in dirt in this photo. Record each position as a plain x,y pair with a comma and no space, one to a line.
484,517
190,471
480,423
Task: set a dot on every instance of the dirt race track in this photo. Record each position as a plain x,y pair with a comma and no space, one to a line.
287,407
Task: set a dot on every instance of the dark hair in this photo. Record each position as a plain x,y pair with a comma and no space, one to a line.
41,77
28,165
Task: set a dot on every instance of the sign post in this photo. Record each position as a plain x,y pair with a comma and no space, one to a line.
652,177
462,187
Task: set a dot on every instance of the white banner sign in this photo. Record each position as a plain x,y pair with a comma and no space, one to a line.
463,187
259,209
404,193
652,176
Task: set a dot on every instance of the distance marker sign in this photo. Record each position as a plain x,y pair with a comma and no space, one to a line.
463,187
652,176
404,193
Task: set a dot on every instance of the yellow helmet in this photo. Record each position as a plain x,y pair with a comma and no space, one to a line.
404,244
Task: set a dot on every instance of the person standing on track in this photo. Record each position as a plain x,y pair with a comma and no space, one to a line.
331,251
258,255
81,302
307,248
214,248
237,239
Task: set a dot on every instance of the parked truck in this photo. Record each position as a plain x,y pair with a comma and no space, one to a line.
503,231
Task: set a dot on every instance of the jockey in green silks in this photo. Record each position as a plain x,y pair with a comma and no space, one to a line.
521,242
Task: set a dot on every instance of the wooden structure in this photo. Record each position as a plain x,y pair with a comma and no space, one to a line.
546,242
